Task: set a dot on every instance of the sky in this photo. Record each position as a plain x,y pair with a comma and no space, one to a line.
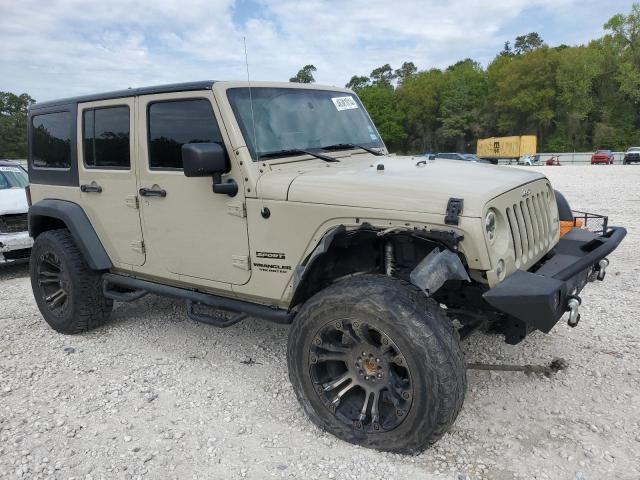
59,48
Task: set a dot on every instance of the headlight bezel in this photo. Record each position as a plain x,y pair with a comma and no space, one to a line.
491,225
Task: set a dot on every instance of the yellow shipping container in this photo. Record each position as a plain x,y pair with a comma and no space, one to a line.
507,147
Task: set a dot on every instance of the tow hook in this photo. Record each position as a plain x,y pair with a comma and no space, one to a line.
602,268
573,306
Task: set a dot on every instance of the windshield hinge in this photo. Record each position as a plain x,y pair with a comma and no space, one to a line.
454,209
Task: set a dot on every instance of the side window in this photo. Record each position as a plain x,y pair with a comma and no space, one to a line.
51,140
105,137
174,123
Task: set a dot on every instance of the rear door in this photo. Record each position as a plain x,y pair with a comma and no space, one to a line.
107,173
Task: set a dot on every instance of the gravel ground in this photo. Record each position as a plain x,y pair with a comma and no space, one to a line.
154,395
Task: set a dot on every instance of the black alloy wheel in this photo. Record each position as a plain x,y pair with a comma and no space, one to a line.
361,376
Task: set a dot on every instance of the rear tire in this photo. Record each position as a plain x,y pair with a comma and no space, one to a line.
368,334
68,293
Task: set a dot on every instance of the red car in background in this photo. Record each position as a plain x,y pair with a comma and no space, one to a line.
602,156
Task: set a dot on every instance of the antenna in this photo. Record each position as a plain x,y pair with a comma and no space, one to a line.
253,117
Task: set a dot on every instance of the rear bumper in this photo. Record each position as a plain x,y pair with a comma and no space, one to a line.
11,242
540,297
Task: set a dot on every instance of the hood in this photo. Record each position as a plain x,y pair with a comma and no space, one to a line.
13,200
405,184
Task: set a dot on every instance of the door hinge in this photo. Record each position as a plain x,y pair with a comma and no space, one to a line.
241,261
131,201
138,246
237,209
454,209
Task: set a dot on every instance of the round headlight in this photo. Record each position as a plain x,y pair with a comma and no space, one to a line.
490,225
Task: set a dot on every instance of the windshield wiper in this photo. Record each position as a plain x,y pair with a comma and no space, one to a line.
296,151
345,146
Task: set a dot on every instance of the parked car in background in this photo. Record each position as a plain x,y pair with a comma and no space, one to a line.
429,156
554,160
602,156
632,156
529,160
465,157
15,243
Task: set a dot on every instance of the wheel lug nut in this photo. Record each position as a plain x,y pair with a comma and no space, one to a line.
356,324
314,359
317,341
380,375
338,324
366,378
378,360
405,395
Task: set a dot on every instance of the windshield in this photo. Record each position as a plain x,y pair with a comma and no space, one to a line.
300,119
634,149
602,151
12,177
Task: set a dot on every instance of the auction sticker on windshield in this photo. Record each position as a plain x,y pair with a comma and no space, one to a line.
10,169
344,103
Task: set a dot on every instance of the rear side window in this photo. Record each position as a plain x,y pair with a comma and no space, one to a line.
105,137
51,140
174,123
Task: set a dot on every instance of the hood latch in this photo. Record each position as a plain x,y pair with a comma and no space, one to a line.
454,209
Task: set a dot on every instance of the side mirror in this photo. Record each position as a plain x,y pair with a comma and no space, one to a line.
208,160
204,159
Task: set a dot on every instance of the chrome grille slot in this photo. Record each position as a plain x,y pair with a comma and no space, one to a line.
515,235
524,239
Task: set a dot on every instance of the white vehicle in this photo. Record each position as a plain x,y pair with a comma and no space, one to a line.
15,243
528,160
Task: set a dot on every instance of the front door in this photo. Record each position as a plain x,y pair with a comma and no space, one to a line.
107,172
189,230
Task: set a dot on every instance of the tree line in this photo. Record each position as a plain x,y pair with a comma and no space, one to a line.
574,98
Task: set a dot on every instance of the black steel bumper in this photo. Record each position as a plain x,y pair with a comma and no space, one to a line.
540,297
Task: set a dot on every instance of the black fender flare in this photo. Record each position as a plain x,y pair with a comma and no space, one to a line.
76,221
564,210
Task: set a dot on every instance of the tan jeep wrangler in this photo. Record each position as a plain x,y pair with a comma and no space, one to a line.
279,201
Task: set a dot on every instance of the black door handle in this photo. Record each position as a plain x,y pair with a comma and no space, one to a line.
150,192
92,188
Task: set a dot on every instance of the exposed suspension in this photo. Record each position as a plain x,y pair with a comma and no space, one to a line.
389,258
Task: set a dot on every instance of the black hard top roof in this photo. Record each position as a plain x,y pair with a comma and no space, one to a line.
130,92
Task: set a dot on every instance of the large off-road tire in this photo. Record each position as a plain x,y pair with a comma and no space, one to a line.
377,363
68,293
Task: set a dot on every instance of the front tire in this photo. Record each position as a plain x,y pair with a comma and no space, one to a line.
375,362
68,293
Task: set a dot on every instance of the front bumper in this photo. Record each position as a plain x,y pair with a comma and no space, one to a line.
539,297
12,243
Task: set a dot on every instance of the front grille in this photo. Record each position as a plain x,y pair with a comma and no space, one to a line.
13,223
531,228
21,254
